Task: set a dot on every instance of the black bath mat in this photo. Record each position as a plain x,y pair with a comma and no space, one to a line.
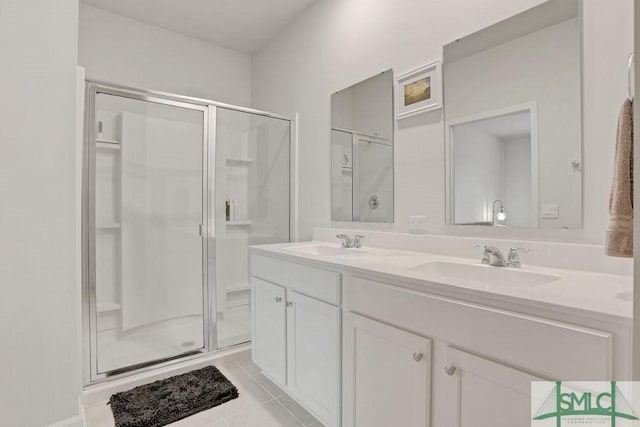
169,400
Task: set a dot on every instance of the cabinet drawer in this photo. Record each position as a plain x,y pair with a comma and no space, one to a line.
550,348
314,282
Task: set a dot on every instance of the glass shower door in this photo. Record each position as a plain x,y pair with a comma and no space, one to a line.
147,285
252,202
373,179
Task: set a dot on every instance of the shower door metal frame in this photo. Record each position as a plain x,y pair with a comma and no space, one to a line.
209,108
90,313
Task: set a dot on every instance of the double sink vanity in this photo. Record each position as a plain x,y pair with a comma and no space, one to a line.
418,331
380,337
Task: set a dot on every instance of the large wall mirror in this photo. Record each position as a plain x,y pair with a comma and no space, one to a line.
513,121
362,151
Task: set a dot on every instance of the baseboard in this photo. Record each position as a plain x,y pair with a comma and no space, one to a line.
76,421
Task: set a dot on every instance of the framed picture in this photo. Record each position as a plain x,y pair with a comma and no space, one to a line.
419,91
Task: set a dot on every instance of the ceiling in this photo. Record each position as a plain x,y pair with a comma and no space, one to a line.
505,127
244,25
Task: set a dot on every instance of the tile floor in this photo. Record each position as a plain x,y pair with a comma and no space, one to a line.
261,404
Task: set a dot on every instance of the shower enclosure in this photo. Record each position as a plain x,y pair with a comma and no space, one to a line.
175,190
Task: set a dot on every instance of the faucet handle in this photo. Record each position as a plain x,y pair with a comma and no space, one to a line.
485,255
357,240
344,239
513,259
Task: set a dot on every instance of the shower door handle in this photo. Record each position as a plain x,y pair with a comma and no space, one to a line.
201,230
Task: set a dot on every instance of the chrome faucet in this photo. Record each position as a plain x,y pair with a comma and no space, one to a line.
348,242
493,256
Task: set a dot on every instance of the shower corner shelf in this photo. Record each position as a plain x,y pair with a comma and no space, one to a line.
108,144
243,287
239,223
104,307
238,161
108,226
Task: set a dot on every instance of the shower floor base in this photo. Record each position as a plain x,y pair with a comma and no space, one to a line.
118,349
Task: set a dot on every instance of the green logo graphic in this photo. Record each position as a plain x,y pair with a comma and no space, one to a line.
610,403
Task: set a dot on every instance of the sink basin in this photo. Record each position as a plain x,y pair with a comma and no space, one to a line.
324,250
485,275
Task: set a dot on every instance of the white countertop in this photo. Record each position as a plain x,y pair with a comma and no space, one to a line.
606,296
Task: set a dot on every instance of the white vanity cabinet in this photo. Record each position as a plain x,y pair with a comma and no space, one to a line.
359,348
386,379
296,332
482,359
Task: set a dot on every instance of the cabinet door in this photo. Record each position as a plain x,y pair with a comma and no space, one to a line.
486,393
268,321
313,343
387,375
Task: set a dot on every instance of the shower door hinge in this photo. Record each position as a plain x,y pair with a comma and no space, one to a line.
201,230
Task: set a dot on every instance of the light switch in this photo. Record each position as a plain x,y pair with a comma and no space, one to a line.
417,224
550,211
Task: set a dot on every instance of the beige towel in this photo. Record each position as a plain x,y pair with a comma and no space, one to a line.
620,230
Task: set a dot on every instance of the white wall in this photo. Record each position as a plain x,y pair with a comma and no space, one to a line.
335,43
121,50
38,309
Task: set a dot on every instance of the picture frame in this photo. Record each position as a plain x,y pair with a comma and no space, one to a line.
419,91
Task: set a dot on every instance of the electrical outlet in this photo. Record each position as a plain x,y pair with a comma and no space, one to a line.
417,224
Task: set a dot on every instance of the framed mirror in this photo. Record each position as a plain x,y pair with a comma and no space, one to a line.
362,151
513,121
